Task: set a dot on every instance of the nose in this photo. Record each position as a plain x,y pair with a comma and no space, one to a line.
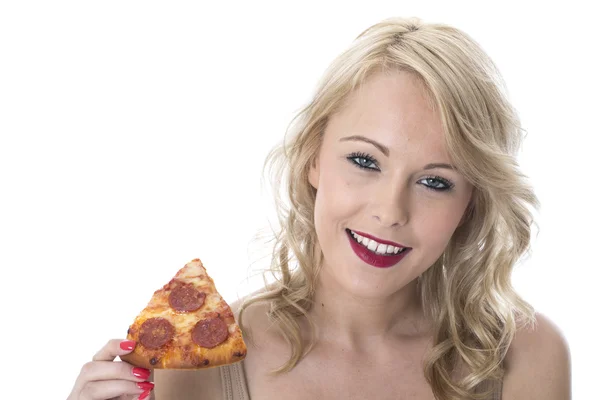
391,206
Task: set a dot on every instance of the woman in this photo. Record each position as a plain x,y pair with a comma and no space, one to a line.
407,214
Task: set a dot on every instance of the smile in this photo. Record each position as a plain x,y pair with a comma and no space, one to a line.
375,246
375,253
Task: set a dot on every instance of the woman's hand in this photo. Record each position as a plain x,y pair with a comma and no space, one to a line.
103,378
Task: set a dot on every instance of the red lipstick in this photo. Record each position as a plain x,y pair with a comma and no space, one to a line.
371,258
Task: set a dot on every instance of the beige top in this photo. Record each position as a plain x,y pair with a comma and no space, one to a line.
233,382
235,387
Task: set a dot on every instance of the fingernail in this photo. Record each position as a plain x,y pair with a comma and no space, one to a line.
127,345
144,395
141,373
146,385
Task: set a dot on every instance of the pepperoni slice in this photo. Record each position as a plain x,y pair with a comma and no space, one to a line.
156,332
210,332
186,298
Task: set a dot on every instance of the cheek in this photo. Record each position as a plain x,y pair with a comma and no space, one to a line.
436,227
338,200
339,194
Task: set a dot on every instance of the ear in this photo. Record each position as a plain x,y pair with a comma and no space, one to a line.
314,173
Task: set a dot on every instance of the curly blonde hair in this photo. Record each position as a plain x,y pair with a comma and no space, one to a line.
467,292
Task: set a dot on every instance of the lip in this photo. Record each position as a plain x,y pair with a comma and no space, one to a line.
375,260
378,240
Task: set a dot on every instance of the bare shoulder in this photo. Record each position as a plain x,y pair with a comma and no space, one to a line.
259,332
538,364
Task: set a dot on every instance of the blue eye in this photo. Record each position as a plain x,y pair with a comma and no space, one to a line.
438,183
363,160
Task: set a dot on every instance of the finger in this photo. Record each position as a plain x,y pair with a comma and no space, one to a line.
102,390
114,348
106,370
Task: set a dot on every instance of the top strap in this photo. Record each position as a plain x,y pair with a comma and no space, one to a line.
233,382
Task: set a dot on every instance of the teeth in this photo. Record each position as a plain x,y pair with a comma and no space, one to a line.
378,248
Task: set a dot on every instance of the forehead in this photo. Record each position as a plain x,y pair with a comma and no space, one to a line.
393,108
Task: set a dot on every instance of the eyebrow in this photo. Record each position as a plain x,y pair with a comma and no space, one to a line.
358,138
386,151
440,165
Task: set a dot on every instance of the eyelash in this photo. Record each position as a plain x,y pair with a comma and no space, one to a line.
370,159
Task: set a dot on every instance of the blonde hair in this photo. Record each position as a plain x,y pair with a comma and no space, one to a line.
467,292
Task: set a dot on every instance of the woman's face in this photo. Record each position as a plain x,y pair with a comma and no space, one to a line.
381,172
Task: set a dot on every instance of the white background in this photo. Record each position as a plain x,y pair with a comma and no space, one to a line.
133,136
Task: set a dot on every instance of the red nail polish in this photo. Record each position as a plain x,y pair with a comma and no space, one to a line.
146,385
141,373
127,345
144,395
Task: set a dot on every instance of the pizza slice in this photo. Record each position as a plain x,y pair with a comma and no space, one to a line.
186,325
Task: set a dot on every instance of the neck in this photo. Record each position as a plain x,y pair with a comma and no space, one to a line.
359,322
